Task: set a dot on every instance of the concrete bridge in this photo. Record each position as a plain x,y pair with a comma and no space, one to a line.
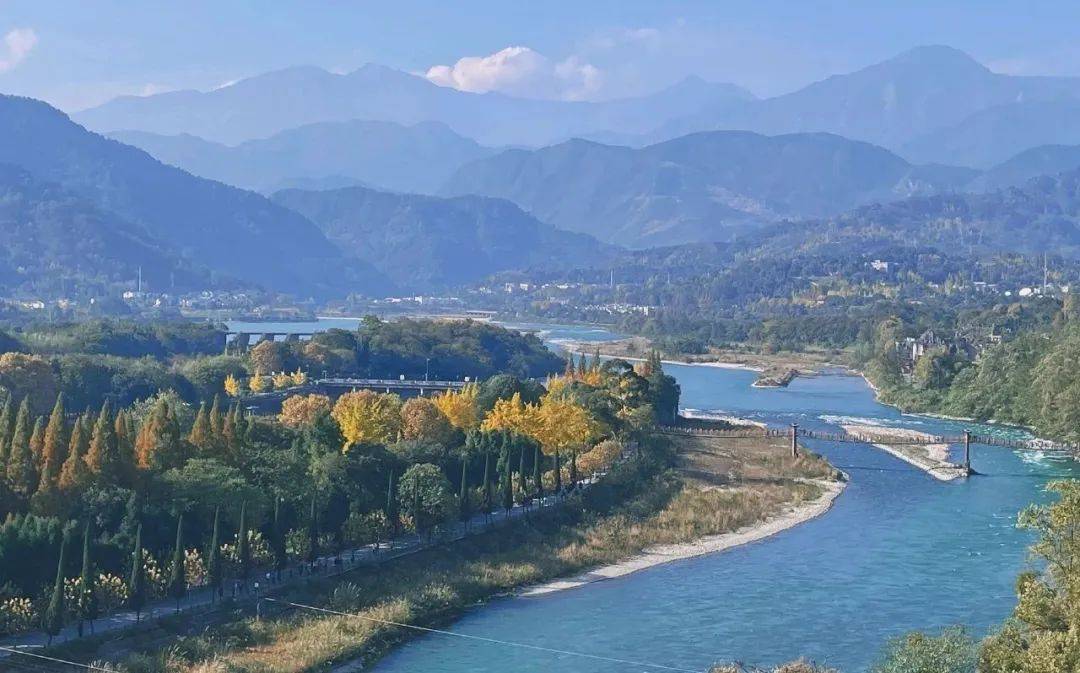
242,341
270,402
389,385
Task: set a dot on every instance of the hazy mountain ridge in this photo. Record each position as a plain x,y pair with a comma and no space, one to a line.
996,134
700,187
234,232
428,243
1042,215
384,155
1031,163
929,104
263,105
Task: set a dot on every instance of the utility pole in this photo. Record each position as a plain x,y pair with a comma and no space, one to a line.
794,442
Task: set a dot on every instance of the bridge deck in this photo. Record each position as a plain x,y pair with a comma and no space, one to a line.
870,438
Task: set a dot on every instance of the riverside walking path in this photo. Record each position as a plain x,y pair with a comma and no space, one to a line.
264,582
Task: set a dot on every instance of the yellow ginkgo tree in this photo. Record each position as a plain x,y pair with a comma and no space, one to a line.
366,416
460,407
511,415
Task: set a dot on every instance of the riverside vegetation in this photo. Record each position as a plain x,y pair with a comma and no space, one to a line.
671,490
200,490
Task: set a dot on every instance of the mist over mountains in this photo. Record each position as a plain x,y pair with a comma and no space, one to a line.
387,155
261,106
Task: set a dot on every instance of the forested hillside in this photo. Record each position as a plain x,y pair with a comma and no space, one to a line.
56,242
425,243
697,188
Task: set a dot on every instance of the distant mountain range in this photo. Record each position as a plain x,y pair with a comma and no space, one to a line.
930,104
700,187
433,243
264,105
83,211
228,230
385,155
1042,215
1015,171
994,135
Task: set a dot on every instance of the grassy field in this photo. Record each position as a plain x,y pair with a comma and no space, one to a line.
689,488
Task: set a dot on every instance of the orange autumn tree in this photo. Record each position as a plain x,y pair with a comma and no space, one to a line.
301,410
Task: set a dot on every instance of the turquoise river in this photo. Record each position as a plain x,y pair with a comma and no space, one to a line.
898,551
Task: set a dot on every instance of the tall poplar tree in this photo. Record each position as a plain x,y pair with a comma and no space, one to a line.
7,427
488,502
54,614
522,485
538,474
277,543
243,544
463,496
213,557
136,599
177,578
88,604
505,474
313,533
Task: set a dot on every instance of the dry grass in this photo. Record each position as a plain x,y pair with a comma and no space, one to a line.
723,461
718,486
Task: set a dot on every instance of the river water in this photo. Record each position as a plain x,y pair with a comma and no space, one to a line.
898,551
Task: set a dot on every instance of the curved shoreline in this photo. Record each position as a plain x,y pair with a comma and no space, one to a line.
712,544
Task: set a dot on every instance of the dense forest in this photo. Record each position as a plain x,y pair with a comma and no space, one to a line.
200,491
124,362
1030,379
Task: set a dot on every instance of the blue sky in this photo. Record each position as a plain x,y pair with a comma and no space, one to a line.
76,53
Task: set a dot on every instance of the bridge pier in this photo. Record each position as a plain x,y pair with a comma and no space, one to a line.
967,452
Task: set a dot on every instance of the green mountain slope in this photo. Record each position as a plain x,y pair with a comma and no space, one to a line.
229,230
701,187
425,243
56,243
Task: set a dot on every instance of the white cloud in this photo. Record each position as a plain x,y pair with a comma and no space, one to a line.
17,44
520,71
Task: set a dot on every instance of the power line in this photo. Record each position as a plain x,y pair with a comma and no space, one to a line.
24,653
495,641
